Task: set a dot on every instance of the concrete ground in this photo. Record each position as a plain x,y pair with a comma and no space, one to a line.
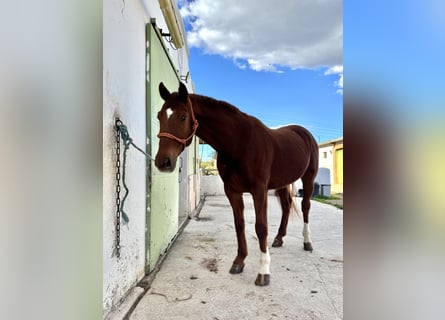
194,280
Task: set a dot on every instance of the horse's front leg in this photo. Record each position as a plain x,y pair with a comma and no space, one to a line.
260,203
236,201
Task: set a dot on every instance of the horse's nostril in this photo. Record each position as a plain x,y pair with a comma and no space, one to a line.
167,163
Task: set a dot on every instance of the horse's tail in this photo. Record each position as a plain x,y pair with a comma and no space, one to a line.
293,194
287,198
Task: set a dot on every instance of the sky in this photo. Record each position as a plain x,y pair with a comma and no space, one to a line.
280,63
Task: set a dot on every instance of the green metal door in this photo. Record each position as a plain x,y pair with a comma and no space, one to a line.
162,188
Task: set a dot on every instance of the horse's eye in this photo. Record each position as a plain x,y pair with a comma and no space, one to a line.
183,117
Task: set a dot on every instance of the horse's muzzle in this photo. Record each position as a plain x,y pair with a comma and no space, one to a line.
165,164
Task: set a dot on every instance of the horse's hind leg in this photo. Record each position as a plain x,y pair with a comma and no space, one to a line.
285,197
308,188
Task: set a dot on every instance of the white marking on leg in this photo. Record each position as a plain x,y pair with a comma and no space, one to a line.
265,262
169,112
307,233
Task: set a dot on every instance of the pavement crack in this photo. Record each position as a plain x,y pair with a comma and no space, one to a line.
168,300
324,286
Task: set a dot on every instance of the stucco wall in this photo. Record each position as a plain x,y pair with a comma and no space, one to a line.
213,185
332,163
123,96
327,162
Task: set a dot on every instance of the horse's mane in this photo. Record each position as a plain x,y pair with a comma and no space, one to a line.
219,104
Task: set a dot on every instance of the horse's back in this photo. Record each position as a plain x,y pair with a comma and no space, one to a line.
295,137
295,152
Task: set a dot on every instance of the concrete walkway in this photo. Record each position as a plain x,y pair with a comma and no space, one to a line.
194,281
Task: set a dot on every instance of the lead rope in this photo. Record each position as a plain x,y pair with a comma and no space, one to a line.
122,131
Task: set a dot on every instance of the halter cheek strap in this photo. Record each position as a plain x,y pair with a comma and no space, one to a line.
180,140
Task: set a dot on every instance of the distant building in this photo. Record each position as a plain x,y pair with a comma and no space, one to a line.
331,157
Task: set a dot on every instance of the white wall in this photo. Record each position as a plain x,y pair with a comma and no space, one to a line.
124,95
327,162
212,186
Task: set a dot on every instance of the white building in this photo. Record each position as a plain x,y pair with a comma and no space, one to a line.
137,55
331,157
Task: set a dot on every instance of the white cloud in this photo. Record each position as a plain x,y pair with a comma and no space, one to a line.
339,71
268,35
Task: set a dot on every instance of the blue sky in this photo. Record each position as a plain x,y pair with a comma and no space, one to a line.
303,97
275,70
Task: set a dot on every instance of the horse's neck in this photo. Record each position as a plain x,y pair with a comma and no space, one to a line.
219,126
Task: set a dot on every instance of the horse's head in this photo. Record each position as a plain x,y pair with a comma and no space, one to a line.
177,126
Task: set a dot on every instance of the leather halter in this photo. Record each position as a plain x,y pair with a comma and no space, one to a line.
180,140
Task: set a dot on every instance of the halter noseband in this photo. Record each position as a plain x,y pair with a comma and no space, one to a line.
180,140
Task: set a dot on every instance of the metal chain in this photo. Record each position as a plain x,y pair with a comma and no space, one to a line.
122,131
118,189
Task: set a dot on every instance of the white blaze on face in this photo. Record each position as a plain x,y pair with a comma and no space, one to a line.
265,262
307,233
169,112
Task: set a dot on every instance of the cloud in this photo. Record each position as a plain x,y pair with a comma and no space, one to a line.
339,71
268,35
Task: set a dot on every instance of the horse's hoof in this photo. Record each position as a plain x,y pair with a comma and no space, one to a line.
308,246
236,268
277,243
262,279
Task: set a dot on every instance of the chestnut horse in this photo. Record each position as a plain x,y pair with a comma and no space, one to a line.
251,158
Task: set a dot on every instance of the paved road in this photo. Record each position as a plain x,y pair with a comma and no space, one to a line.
194,282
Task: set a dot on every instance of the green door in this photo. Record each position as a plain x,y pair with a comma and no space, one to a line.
162,188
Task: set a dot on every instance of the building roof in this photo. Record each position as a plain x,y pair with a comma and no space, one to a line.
331,142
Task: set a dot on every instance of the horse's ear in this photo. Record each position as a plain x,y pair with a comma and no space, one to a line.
183,93
163,91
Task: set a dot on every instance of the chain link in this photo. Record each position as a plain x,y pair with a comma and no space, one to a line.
122,132
118,189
